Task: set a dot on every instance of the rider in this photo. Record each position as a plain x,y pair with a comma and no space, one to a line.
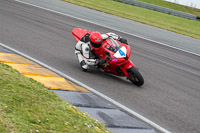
93,41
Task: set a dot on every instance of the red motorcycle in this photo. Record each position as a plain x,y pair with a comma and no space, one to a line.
119,53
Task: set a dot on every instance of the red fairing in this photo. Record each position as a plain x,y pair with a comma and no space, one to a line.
128,65
78,33
128,54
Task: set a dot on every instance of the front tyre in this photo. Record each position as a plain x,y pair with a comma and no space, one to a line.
135,77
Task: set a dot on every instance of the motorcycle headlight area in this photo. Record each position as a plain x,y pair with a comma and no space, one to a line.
121,53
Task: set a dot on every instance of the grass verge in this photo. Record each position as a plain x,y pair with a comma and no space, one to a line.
26,106
168,22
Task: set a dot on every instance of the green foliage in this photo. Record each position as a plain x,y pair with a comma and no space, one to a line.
26,106
158,19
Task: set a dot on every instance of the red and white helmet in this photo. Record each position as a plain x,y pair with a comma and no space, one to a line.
95,40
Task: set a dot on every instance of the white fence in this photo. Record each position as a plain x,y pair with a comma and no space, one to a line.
159,9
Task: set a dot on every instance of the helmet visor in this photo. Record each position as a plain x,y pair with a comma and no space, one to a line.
95,45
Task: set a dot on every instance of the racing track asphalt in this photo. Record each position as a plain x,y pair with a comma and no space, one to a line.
170,96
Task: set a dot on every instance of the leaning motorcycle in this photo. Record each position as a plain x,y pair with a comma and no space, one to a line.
119,53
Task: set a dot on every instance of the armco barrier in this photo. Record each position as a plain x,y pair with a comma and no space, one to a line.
159,9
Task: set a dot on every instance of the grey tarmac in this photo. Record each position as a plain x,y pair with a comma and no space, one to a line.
170,96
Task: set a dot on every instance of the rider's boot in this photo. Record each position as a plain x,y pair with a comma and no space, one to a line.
84,66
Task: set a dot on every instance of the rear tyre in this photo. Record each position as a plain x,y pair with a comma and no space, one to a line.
135,77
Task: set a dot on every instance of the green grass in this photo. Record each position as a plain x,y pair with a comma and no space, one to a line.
157,19
26,106
174,6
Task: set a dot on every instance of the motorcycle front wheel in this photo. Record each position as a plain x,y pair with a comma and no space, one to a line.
135,77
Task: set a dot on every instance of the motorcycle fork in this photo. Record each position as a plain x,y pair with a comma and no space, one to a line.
127,66
125,72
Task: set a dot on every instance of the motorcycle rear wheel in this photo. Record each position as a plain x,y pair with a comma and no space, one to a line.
135,77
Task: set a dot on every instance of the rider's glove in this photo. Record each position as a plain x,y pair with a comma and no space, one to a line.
123,40
117,37
101,61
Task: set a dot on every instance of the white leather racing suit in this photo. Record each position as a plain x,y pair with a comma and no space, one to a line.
83,48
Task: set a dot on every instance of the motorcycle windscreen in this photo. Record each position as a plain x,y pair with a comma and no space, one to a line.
121,53
112,45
